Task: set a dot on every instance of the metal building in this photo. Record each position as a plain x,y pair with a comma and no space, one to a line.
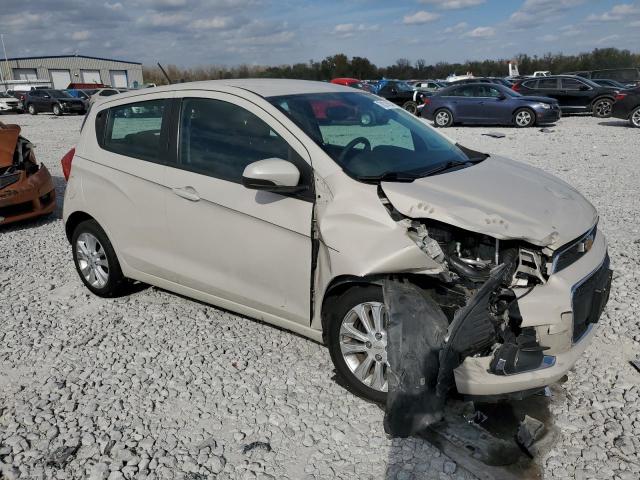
61,70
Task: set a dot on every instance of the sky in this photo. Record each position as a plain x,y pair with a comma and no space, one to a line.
273,32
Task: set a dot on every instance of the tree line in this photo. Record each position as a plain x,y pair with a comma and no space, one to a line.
340,65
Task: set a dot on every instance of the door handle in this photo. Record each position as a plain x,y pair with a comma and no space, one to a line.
188,193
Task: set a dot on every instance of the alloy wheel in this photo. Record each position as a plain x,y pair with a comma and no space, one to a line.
635,118
92,260
442,118
363,343
603,108
523,118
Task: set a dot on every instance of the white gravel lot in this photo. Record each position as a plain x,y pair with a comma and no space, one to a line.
154,385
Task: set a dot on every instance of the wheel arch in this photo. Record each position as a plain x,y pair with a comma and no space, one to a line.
75,219
602,97
337,287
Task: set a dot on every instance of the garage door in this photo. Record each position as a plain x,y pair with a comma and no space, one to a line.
25,74
91,76
60,78
119,78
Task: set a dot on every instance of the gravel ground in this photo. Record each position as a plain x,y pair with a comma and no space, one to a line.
154,385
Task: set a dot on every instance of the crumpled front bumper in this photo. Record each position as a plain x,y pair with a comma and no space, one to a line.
549,309
29,197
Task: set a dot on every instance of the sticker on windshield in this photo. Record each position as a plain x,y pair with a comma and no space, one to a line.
386,104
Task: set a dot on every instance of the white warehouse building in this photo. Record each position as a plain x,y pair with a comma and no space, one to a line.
61,70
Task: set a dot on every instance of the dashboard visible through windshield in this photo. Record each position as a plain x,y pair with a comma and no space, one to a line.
371,138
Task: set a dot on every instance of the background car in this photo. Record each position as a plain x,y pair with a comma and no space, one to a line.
627,106
353,83
398,92
9,103
50,100
611,83
427,85
482,103
623,75
574,94
104,92
497,80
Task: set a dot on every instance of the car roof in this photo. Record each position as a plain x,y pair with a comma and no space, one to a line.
264,87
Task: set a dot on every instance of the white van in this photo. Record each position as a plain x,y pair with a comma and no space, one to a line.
274,199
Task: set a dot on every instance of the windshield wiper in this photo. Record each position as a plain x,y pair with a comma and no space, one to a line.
388,177
451,164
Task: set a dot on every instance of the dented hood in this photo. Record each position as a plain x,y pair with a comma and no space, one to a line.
500,198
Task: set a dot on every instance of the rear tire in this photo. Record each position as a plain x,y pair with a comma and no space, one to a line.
524,118
602,108
411,107
96,261
32,109
443,118
634,118
339,312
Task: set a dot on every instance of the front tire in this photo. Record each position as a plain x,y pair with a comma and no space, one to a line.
57,111
602,108
96,261
443,118
357,338
634,118
524,118
32,109
411,107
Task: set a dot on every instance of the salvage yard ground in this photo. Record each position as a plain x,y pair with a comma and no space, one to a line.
154,385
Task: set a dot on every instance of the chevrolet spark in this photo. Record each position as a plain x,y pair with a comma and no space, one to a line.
237,194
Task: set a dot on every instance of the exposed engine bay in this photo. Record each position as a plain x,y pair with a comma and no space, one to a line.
26,187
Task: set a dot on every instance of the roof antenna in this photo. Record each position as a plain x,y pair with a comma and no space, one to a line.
165,74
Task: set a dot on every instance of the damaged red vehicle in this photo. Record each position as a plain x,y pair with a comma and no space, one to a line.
26,187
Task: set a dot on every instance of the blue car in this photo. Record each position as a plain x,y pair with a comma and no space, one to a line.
485,103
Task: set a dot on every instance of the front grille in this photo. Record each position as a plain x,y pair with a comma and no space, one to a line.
590,298
574,250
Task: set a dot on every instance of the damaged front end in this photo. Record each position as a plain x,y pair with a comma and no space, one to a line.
471,312
26,187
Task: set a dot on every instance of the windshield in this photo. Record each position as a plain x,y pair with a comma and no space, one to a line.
4,95
58,94
370,138
404,86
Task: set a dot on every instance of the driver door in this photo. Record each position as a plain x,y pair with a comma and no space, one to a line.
248,248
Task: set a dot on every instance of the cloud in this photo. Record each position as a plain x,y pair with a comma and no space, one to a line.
81,35
346,30
212,23
533,13
607,39
617,13
570,31
481,32
163,19
635,24
420,17
550,38
457,28
453,4
113,6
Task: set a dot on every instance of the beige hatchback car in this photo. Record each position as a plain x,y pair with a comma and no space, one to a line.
294,202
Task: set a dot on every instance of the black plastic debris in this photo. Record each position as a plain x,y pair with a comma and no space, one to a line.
61,456
494,134
264,446
529,431
547,130
635,364
415,335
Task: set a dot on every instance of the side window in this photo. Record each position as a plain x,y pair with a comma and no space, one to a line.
531,84
220,139
571,84
133,129
548,84
465,92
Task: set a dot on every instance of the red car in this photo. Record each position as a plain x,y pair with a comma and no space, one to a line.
352,82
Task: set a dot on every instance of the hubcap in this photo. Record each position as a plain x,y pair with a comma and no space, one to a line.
92,260
363,343
442,118
603,108
636,118
523,118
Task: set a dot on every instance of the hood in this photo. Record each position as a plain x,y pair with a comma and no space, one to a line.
533,98
500,198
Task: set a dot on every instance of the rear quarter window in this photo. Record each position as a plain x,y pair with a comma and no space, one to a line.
133,130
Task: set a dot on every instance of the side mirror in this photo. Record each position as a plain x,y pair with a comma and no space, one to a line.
394,91
273,175
502,96
46,96
584,88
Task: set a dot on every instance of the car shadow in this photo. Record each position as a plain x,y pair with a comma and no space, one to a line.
615,123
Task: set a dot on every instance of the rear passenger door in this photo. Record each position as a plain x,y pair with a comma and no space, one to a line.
126,181
467,105
245,247
549,87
